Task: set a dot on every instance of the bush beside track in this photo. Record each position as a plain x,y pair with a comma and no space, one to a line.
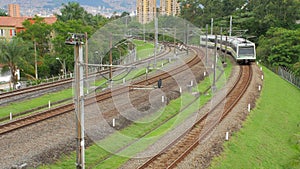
270,136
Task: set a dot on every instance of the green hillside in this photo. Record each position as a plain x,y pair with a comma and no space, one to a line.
270,137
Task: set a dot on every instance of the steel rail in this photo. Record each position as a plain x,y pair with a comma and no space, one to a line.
37,117
62,82
190,137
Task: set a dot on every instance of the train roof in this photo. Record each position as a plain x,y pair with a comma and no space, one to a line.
237,40
234,40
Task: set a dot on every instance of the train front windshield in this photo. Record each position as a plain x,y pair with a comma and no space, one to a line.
246,51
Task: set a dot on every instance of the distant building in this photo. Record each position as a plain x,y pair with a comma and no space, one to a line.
13,23
14,10
10,26
146,10
169,7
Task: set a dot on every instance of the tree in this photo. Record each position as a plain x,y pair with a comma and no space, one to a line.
280,47
14,54
62,29
124,14
74,19
3,12
200,12
275,13
71,11
39,32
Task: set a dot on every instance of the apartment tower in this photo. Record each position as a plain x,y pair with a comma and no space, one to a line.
14,10
169,7
146,10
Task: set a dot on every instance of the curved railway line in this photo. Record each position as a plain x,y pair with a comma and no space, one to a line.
177,150
35,118
17,94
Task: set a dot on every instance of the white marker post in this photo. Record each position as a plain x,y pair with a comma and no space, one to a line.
249,107
49,104
162,99
260,68
180,90
192,83
114,122
262,77
259,88
227,136
204,74
10,116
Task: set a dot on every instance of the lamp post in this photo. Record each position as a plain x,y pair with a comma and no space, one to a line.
63,66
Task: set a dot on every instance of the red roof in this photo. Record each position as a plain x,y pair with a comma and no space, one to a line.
12,21
48,20
17,21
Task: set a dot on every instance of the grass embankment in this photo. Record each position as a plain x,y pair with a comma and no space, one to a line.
17,107
144,49
117,140
271,132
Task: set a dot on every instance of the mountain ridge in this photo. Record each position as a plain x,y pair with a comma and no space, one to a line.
49,5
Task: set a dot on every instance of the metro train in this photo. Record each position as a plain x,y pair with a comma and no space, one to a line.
241,49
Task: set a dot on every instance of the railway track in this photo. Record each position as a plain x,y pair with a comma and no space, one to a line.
177,150
35,118
25,92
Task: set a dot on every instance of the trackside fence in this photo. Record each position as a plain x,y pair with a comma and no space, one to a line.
287,74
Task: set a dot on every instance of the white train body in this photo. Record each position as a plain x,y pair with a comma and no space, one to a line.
241,49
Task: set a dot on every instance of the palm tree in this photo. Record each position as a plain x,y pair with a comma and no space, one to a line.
13,54
71,11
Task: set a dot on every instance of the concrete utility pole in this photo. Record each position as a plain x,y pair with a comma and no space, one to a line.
175,43
215,65
206,46
86,61
86,56
156,40
78,40
110,58
225,49
144,33
230,27
221,41
35,61
212,26
79,104
187,38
